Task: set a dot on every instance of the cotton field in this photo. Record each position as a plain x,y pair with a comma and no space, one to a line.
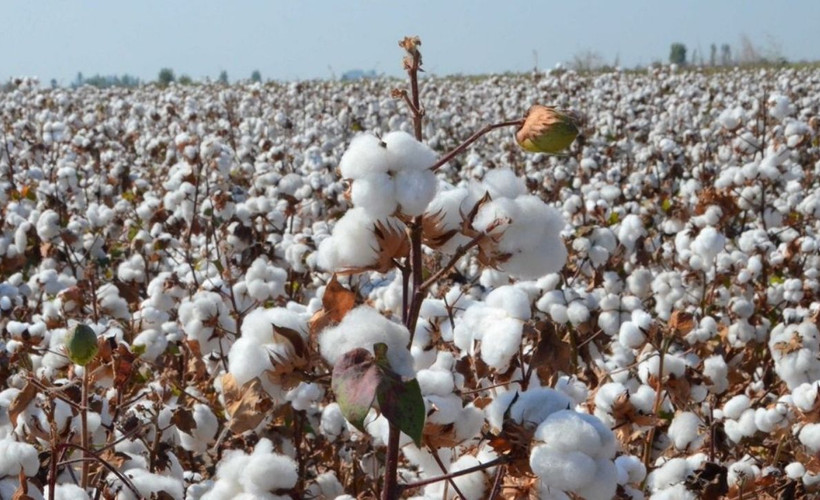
199,281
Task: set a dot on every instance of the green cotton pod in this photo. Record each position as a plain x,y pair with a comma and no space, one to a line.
81,345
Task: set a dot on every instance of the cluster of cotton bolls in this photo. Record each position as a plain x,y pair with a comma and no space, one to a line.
189,225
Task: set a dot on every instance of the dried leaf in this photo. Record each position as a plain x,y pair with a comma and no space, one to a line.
794,344
21,401
392,244
681,322
247,405
551,354
183,419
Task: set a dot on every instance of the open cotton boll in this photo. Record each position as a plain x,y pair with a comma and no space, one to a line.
148,484
376,194
532,407
630,231
796,366
66,491
352,244
513,300
407,153
366,155
202,436
630,469
363,327
501,341
414,190
568,430
565,470
16,457
503,183
716,369
684,429
473,485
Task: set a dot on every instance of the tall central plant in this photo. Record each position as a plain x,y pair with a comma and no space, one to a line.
393,181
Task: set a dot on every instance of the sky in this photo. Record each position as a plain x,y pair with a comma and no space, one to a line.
306,39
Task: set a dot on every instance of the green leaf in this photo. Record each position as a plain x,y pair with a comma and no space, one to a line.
402,405
356,376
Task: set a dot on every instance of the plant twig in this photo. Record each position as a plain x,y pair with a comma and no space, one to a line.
476,136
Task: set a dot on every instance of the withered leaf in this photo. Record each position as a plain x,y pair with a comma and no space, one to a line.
681,322
21,401
247,405
551,354
336,302
183,419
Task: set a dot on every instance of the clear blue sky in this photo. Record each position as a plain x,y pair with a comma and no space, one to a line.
300,39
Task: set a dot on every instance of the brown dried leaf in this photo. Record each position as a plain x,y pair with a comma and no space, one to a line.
551,354
794,344
21,401
336,302
681,322
183,419
247,405
440,435
392,244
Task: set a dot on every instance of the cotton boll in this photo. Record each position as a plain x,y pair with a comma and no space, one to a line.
684,429
501,342
742,472
511,299
268,471
363,327
414,190
631,336
795,470
365,155
66,491
532,406
203,434
15,456
673,472
577,312
473,485
148,484
406,153
810,437
715,368
565,470
375,194
154,342
630,468
503,183
605,484
630,230
567,430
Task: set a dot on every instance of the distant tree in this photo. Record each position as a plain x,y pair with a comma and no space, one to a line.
677,54
166,76
78,80
587,60
725,55
54,83
223,77
713,55
256,76
185,80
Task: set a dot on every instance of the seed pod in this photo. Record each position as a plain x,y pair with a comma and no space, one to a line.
81,345
546,130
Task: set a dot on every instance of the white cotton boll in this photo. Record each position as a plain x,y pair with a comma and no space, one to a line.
708,243
676,492
804,396
365,155
376,194
333,423
203,434
631,467
630,230
154,342
568,430
15,456
639,283
670,473
472,485
565,470
469,423
605,484
795,470
577,312
303,396
435,382
630,335
148,484
268,471
407,153
326,486
572,387
742,472
810,437
684,429
48,225
352,244
531,407
363,327
716,369
512,300
66,491
500,342
503,183
414,190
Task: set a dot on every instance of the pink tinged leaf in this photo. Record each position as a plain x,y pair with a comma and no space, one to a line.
356,377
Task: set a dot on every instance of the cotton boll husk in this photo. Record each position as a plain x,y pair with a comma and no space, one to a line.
684,429
414,190
565,470
363,327
365,155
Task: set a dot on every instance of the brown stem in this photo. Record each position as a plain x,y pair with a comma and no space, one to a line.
464,145
391,489
650,438
84,430
443,468
127,482
503,459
